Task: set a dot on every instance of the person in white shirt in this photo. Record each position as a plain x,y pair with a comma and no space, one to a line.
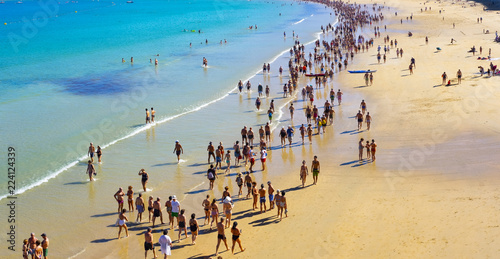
263,156
165,244
176,208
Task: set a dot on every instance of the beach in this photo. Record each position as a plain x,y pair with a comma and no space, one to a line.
432,191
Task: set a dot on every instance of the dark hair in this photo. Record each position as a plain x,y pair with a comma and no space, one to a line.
193,216
124,210
213,201
165,232
182,211
150,229
235,224
282,193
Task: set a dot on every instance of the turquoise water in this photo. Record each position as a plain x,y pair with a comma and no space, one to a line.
64,85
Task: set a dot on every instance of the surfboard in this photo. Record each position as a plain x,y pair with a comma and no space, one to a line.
315,74
361,71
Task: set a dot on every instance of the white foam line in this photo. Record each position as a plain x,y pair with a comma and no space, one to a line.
145,127
79,253
298,21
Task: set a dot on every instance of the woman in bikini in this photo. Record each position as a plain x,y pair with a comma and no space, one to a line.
130,195
99,153
283,205
236,237
373,146
119,198
193,226
206,208
228,162
214,212
367,145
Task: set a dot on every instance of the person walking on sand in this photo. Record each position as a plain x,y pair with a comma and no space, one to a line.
459,76
150,207
270,192
339,96
130,198
168,205
228,161
302,130
211,175
144,179
206,208
214,212
359,117
368,120
255,194
315,169
444,76
139,205
263,156
220,235
210,150
91,171
157,211
147,116
248,182
148,243
178,150
289,133
284,205
239,182
361,147
176,208
165,244
363,106
45,246
371,75
367,78
309,133
91,152
373,147
411,69
304,172
182,225
262,194
236,237
193,227
122,219
119,198
227,208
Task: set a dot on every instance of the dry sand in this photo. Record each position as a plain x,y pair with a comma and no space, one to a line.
432,192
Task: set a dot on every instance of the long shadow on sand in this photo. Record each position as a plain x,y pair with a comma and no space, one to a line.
102,240
104,214
165,164
74,183
356,163
265,221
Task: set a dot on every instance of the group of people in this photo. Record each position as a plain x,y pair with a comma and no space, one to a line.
34,248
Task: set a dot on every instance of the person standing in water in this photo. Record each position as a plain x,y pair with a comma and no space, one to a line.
144,179
153,111
178,150
339,96
147,116
210,150
91,152
99,154
373,147
90,170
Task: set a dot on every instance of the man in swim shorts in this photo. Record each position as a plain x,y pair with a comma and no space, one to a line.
153,111
148,243
178,150
45,246
147,116
157,211
270,191
262,195
315,169
91,152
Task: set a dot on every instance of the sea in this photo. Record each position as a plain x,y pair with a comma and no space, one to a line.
67,80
